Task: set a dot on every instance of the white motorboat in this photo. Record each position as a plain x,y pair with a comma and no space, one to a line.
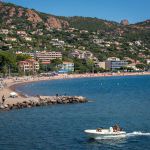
101,133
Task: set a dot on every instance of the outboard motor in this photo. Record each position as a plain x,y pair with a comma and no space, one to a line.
111,129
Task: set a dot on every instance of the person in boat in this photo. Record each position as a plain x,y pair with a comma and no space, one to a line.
116,128
99,129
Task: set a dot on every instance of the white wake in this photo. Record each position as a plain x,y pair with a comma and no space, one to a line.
132,134
138,133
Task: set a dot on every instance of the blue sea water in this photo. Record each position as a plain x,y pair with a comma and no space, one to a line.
123,100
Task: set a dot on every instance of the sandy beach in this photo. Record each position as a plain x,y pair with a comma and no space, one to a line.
11,83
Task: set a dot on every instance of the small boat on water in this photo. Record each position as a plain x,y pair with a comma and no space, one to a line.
101,133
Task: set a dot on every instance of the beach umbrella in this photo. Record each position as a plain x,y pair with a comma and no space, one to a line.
13,94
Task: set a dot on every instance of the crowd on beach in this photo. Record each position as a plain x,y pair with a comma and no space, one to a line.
7,84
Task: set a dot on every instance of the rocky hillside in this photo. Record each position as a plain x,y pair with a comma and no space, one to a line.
22,17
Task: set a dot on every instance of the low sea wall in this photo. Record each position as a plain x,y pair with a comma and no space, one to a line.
44,101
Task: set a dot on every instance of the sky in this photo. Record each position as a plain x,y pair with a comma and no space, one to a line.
113,10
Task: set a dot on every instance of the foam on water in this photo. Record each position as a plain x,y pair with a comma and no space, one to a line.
138,133
135,133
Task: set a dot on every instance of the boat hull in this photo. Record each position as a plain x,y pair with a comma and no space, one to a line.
105,134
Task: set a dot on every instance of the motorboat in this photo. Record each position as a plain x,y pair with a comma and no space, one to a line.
105,133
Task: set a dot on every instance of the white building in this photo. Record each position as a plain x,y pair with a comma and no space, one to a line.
113,59
28,38
12,39
102,65
81,54
57,42
148,61
4,31
22,33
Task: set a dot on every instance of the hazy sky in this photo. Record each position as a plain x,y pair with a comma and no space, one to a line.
115,10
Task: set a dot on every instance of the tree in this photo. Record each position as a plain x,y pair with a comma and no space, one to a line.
56,61
140,66
90,65
7,60
55,64
21,57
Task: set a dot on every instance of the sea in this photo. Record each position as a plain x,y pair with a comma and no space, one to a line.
122,100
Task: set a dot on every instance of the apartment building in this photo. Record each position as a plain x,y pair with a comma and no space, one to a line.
29,65
46,57
114,63
66,67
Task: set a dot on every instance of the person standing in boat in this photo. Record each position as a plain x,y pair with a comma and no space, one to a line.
116,128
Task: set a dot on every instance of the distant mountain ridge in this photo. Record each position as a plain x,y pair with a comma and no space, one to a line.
30,18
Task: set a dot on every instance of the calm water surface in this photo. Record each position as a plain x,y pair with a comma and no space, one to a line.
123,100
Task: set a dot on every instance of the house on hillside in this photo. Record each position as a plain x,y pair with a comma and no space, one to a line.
22,33
29,65
66,67
102,65
12,39
81,54
28,38
4,31
57,42
148,61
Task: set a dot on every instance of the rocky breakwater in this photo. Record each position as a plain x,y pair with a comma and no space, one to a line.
44,101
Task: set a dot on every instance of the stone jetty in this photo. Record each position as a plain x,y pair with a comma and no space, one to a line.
44,101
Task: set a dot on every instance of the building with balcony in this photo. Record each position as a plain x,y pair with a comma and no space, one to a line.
46,57
114,63
29,65
66,67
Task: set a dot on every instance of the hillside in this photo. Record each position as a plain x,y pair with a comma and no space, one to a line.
29,18
11,14
28,30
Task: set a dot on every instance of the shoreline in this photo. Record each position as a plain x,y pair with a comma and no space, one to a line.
12,83
77,76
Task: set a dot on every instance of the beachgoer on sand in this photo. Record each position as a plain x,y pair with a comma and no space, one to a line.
3,99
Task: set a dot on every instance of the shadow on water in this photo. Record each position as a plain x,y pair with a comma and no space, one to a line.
107,141
106,144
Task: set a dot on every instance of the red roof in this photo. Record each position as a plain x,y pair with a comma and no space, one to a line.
45,63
